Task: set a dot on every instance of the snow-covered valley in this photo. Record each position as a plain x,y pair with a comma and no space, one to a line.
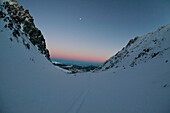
30,83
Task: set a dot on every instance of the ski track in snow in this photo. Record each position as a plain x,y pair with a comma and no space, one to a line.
75,107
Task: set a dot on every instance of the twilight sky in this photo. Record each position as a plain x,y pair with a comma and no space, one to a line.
94,30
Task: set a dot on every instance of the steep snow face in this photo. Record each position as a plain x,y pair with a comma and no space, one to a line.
140,50
20,22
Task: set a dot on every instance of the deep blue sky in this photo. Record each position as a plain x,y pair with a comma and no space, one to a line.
106,25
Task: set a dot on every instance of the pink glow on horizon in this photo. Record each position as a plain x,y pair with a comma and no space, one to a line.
77,57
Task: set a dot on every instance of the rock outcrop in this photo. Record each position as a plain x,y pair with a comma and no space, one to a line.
140,50
19,21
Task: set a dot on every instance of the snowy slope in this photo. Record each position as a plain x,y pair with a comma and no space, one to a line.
29,83
140,50
21,24
144,89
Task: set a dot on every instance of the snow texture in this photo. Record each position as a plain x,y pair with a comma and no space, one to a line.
29,83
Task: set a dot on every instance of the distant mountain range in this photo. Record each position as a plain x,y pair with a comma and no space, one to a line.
74,62
74,68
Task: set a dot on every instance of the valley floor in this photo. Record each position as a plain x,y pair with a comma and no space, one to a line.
45,89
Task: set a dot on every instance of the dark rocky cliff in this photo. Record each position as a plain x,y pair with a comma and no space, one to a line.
20,21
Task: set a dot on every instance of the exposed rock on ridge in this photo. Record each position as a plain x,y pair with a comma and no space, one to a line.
140,49
21,22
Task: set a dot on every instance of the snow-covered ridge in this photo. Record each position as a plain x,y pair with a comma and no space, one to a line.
20,22
140,50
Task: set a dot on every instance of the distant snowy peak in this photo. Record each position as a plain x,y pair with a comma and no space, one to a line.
21,23
140,50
